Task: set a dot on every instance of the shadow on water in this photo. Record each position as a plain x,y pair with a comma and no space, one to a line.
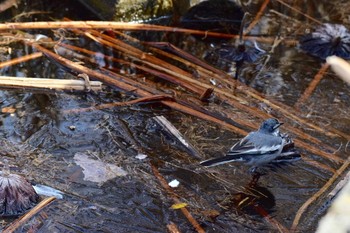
73,152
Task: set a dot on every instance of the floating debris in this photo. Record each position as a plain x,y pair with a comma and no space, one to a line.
179,205
16,194
141,156
174,183
96,170
327,40
48,191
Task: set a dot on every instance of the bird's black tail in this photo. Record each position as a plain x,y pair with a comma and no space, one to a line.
221,160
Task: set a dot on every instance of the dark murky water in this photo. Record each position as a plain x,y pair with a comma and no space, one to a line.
42,139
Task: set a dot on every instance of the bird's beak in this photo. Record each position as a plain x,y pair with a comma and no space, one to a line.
278,125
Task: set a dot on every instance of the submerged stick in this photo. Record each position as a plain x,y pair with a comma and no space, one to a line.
20,59
313,84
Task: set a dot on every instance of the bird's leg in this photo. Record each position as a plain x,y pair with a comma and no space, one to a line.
252,170
255,179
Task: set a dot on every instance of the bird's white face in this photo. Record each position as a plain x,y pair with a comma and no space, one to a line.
276,132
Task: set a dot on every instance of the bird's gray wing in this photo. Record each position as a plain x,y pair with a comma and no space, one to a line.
257,143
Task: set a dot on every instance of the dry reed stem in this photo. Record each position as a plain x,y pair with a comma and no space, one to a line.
110,25
151,61
312,85
187,59
22,220
143,86
20,59
298,11
154,98
50,84
318,165
306,204
317,151
173,196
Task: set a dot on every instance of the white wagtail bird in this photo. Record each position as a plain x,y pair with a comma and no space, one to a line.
258,148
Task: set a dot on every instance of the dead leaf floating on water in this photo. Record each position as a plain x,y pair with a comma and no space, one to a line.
96,170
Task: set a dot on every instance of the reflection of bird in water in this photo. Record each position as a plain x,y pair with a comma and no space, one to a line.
253,200
259,148
16,194
327,40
